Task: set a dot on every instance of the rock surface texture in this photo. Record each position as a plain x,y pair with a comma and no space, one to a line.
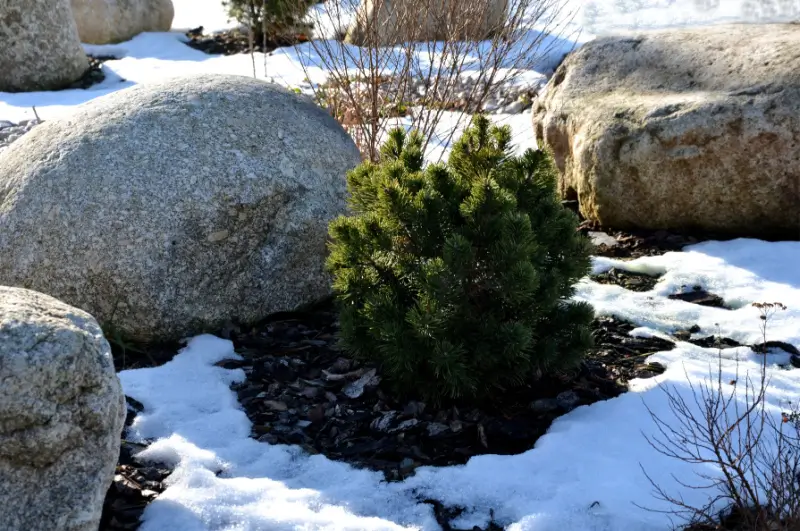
389,22
169,209
61,414
40,46
687,129
110,21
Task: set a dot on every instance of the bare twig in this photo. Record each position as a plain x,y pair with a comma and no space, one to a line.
725,425
378,80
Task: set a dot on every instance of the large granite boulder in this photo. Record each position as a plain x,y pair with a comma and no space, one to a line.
390,22
170,209
110,21
40,46
681,129
61,414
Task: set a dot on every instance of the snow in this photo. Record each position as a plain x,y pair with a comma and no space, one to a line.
584,474
154,56
725,269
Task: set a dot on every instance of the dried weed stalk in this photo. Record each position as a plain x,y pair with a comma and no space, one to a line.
411,76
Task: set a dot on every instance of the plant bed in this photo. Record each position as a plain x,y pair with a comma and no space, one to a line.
236,41
302,390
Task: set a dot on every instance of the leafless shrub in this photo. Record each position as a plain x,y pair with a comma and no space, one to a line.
396,70
725,424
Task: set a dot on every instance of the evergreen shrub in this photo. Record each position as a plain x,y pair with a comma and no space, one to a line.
456,278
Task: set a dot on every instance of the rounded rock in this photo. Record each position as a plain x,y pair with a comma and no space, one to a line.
169,209
41,48
61,414
112,21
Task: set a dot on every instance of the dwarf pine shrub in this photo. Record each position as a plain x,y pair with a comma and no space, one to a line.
455,278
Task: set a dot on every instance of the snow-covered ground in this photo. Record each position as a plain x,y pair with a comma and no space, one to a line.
155,56
583,475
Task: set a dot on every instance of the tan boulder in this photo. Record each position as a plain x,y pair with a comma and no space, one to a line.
390,22
40,46
110,21
685,129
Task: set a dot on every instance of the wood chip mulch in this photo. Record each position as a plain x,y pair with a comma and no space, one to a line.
236,41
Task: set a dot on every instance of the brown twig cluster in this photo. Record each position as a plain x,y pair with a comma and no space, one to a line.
435,42
724,425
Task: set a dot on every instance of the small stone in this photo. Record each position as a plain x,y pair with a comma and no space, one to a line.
330,396
341,365
151,473
218,236
456,426
404,426
125,486
149,494
407,464
384,422
601,238
356,389
275,405
269,438
414,408
436,428
568,400
544,405
311,392
682,335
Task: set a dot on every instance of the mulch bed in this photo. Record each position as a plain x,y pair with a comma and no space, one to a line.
302,390
236,41
93,75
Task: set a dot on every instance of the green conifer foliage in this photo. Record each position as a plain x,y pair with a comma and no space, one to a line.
455,278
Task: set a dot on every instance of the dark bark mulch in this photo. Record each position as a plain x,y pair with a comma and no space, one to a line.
302,390
236,41
93,75
626,279
134,485
645,243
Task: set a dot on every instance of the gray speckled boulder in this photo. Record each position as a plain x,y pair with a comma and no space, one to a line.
681,129
165,210
107,21
40,46
61,415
